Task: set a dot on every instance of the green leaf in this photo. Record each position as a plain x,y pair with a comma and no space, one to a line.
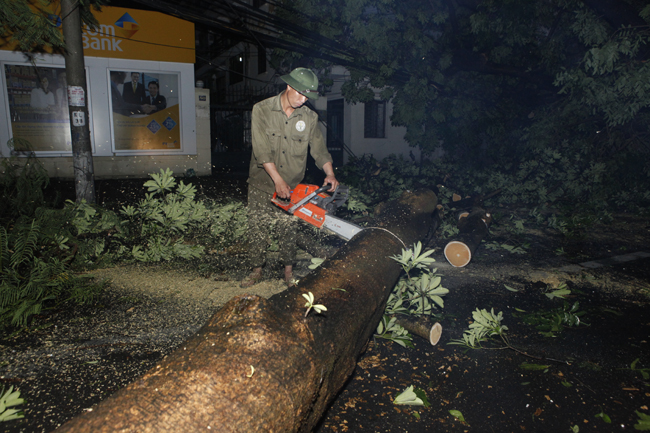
8,399
316,262
560,293
438,300
602,415
643,423
533,367
408,397
510,288
458,415
422,396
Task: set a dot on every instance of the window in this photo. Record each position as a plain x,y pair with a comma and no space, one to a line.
236,69
374,119
261,59
258,3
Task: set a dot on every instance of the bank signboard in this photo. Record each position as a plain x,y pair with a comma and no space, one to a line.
138,102
130,34
142,35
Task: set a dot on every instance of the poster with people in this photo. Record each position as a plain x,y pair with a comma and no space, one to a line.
38,106
145,111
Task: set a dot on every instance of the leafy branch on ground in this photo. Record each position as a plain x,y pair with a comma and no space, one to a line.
486,325
418,292
643,423
644,372
552,323
9,399
487,328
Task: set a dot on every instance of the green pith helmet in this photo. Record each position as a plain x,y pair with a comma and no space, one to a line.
304,81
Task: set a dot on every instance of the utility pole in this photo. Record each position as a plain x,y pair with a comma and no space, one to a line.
82,156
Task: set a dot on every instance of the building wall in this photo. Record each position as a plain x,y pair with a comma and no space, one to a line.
194,116
378,148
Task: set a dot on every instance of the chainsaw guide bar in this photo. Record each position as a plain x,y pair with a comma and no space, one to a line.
313,205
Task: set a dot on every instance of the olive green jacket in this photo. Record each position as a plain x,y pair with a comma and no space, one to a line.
284,141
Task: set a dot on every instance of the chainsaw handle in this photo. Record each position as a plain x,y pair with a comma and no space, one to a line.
324,188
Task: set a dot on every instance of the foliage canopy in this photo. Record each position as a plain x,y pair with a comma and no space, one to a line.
34,28
491,79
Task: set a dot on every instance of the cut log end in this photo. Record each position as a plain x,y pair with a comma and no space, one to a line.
458,254
435,333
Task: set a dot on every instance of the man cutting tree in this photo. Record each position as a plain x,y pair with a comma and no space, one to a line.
283,131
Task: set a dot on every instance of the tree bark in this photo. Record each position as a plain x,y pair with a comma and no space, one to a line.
259,365
82,155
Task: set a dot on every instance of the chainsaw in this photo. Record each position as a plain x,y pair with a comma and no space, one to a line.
311,204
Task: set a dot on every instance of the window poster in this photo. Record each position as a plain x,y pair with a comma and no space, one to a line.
38,106
145,110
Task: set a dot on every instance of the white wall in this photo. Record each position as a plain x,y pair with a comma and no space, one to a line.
107,162
379,148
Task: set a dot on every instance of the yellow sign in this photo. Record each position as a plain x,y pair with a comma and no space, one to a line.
134,34
141,35
158,131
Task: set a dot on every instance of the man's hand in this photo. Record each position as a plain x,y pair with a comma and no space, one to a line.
329,177
332,180
282,189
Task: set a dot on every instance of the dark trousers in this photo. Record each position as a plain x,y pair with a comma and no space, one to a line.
267,221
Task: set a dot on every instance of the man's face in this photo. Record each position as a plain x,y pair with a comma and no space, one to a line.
153,90
45,83
296,99
135,77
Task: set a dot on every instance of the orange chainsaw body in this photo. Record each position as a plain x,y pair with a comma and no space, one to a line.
308,211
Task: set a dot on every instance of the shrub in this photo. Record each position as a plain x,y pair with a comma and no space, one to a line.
34,271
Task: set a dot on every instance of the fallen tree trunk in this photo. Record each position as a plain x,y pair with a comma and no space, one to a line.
259,365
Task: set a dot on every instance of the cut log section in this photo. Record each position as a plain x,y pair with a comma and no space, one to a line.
458,253
259,365
421,327
473,228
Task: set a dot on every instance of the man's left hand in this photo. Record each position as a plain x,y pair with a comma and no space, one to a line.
331,180
329,177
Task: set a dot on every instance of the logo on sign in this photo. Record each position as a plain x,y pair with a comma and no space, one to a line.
153,126
127,26
103,38
169,123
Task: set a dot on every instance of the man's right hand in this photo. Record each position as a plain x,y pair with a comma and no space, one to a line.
282,189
